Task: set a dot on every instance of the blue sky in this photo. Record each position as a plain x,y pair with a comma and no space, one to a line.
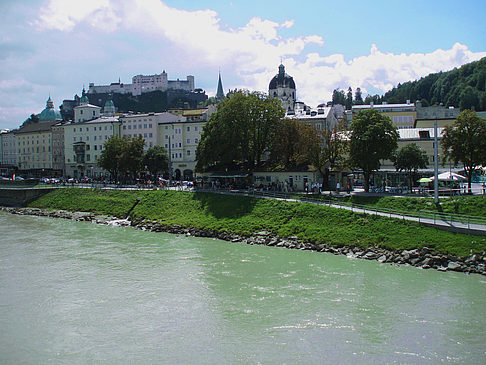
54,47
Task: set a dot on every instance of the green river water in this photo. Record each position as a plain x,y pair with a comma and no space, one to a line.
80,293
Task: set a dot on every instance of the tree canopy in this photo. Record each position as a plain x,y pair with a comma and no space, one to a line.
291,145
410,158
122,155
463,87
465,142
240,132
328,151
373,138
156,160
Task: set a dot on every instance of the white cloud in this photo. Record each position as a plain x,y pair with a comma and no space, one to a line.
253,50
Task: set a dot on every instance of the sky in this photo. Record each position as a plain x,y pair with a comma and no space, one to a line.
55,47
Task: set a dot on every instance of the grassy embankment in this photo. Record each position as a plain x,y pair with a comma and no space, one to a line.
242,215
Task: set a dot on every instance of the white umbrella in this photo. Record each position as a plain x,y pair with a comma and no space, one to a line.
449,176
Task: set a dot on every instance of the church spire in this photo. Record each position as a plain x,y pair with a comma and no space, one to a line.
220,93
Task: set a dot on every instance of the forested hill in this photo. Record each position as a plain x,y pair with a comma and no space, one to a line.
462,87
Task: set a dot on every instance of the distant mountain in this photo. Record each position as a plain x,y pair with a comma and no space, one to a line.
463,87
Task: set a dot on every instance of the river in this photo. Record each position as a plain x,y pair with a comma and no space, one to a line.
78,293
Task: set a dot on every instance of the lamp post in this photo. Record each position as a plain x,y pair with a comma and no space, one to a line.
436,165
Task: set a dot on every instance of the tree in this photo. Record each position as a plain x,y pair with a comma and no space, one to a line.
349,99
465,142
131,159
373,138
328,151
156,160
338,97
240,132
291,143
110,156
122,155
409,158
358,98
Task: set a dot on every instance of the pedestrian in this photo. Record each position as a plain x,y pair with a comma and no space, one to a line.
348,186
338,186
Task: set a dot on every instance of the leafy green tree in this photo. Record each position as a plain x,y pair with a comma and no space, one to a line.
465,142
110,156
122,156
409,158
328,151
291,143
131,159
156,160
373,138
240,132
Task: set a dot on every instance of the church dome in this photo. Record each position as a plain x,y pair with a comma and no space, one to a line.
49,113
281,80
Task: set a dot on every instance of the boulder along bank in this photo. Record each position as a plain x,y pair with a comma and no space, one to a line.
423,258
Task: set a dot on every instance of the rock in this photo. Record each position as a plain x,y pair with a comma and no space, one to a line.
382,258
455,266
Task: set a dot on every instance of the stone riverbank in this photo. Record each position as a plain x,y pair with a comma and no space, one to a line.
423,258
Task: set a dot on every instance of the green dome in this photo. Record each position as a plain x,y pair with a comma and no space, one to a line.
84,99
109,103
49,113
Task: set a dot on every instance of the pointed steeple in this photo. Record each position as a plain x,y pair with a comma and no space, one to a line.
220,93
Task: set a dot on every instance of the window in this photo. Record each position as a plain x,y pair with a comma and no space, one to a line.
88,156
188,152
134,126
166,127
150,135
196,129
130,127
94,114
196,140
87,138
124,127
145,126
166,136
96,147
188,129
81,111
74,139
180,144
188,140
87,129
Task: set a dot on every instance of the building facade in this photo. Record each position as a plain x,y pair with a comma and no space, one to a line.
181,137
83,143
8,148
403,116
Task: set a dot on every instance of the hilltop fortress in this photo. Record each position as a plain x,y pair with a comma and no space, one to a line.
144,83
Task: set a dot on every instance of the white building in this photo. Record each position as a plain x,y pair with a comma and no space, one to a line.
181,137
83,143
8,148
145,83
321,118
146,126
85,111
